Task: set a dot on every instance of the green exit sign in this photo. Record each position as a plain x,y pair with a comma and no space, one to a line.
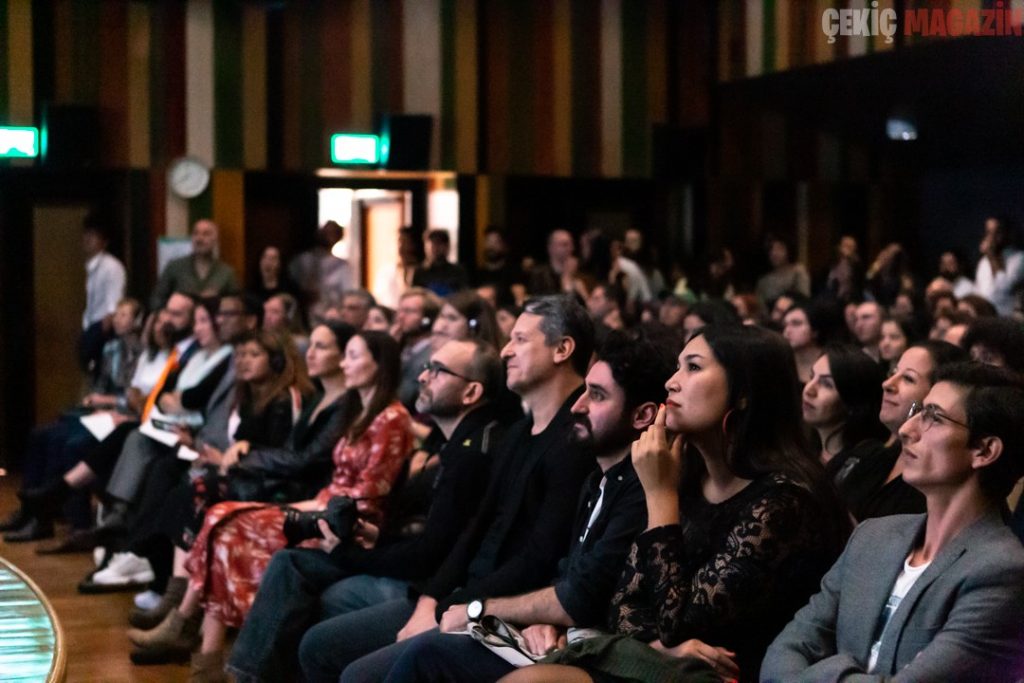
355,149
19,142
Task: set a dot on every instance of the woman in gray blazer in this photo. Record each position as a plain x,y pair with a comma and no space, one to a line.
933,597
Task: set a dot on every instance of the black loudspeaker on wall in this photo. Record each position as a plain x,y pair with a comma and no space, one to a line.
70,135
407,137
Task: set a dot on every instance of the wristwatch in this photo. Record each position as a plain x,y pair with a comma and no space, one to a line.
475,610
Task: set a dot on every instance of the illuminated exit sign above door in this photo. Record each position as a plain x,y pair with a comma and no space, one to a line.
19,142
355,149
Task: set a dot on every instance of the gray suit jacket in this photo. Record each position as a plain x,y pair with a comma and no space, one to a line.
218,408
963,619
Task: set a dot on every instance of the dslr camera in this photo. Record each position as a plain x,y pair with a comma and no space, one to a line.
341,515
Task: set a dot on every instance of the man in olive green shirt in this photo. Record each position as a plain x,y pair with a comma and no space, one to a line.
200,273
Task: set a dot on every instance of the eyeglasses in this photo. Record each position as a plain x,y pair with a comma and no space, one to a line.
434,369
930,415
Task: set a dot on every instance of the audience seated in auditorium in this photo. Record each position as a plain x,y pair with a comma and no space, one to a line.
84,460
457,390
236,316
624,388
264,471
110,388
741,524
523,526
932,597
237,539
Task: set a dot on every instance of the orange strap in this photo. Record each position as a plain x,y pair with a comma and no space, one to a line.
169,367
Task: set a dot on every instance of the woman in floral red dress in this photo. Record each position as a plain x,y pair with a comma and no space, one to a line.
237,540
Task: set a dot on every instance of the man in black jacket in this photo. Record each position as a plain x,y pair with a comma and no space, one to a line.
523,526
457,388
624,387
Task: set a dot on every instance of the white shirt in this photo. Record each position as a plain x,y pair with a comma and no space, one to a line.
104,287
148,371
999,288
199,365
904,582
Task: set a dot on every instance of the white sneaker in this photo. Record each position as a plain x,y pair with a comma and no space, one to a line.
124,569
147,600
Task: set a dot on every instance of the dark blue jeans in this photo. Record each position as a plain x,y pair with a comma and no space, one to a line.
289,601
332,646
445,658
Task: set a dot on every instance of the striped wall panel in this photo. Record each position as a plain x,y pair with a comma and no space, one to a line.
561,87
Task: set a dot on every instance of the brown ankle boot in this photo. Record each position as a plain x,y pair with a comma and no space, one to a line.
208,667
146,619
175,630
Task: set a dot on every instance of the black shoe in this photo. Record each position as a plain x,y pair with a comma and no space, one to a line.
15,520
80,541
45,501
33,530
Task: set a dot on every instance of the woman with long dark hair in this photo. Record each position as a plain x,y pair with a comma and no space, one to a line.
841,403
741,524
237,540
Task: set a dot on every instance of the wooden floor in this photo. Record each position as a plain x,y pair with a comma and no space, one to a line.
94,625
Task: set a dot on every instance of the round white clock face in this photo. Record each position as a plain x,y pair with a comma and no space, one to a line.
188,177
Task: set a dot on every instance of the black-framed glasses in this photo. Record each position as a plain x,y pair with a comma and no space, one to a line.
433,368
930,415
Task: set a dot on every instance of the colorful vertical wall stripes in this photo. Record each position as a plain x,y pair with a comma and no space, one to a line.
554,87
547,87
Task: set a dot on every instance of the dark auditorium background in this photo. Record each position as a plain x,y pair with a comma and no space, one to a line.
701,122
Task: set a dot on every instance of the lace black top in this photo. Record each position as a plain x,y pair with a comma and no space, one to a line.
732,574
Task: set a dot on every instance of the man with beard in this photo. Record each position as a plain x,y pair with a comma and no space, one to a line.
94,460
457,388
623,390
525,518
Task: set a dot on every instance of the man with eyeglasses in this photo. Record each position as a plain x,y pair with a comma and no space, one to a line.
525,520
458,386
937,596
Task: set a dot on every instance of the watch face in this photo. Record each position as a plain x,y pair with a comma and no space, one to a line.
188,177
475,610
